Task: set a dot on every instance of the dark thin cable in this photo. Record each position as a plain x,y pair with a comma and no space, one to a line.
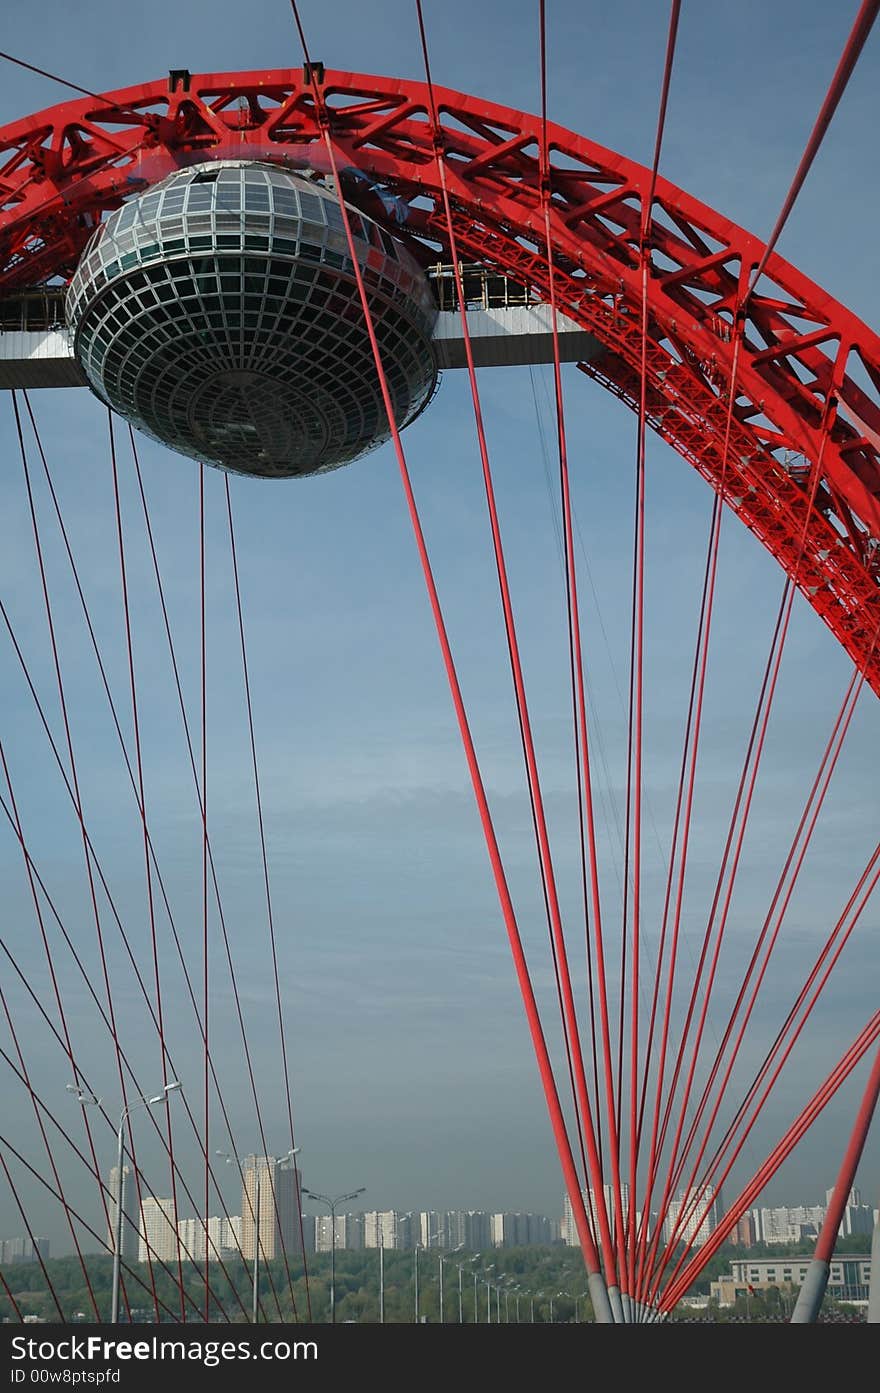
216,888
142,118
204,708
265,861
131,775
30,1233
142,800
102,1186
73,784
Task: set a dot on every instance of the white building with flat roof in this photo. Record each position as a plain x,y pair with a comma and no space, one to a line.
158,1230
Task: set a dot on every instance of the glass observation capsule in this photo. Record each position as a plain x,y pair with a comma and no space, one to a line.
219,313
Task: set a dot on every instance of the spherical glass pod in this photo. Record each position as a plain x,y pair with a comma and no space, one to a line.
219,313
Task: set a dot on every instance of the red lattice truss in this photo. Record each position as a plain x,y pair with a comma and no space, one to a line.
806,362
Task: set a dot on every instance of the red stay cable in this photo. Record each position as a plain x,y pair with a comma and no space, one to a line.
811,812
863,1042
540,1045
667,1190
843,1185
635,732
581,733
872,870
782,630
692,744
855,43
842,936
571,1035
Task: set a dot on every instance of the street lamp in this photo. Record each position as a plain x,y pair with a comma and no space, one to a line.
255,1211
460,1266
332,1203
141,1101
503,1278
490,1268
429,1239
416,1273
516,1295
454,1250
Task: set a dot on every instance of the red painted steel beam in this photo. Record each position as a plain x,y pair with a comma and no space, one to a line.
62,168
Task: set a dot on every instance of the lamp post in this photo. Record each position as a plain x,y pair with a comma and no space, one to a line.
454,1250
332,1203
255,1210
490,1268
430,1236
381,1238
141,1101
460,1303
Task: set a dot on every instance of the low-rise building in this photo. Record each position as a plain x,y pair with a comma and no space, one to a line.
848,1279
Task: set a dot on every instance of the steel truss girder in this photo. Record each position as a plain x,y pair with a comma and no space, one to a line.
61,169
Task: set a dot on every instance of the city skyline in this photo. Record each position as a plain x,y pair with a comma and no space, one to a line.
410,1064
159,1232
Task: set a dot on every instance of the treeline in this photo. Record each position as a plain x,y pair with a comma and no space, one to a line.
530,1284
531,1281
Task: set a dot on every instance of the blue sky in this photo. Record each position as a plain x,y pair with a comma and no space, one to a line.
413,1074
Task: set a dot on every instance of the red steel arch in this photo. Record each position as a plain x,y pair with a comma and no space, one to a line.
807,364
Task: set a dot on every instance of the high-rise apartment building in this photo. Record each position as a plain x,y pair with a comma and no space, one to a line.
324,1227
786,1224
698,1212
385,1228
158,1230
857,1217
568,1226
518,1230
269,1197
224,1237
23,1249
